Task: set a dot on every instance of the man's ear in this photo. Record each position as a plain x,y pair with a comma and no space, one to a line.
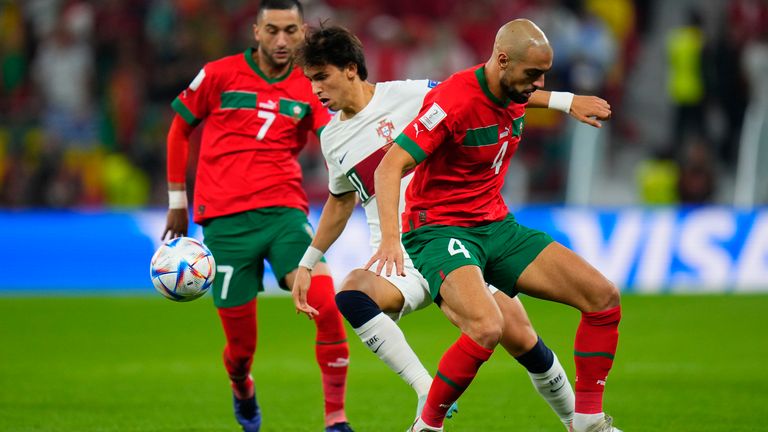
351,71
503,59
256,32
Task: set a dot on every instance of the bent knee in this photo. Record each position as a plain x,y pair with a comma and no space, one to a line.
358,280
486,332
605,295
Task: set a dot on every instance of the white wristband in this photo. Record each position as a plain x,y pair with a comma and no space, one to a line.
311,257
177,199
561,101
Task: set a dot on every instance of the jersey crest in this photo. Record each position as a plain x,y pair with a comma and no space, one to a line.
386,130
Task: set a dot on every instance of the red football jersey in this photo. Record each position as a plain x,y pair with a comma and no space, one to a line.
254,129
466,137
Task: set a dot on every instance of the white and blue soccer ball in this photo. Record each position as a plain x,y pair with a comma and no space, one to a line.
182,269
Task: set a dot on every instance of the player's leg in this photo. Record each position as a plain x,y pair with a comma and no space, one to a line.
366,300
450,259
371,304
522,343
560,275
293,236
479,318
234,245
544,368
331,347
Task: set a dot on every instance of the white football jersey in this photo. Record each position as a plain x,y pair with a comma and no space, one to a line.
353,148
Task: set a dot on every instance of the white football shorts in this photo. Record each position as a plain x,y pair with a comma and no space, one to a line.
414,288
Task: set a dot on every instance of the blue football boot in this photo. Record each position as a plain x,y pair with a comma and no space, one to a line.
247,413
339,427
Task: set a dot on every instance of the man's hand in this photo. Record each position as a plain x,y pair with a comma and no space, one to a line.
389,253
299,292
590,109
176,224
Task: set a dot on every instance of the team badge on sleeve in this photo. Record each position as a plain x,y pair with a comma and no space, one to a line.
198,80
433,116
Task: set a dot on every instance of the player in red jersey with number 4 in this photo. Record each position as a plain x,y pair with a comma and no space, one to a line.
460,234
258,109
368,118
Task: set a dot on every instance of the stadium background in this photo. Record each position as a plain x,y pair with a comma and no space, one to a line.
84,108
669,197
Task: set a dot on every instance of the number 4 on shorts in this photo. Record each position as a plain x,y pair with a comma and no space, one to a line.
456,247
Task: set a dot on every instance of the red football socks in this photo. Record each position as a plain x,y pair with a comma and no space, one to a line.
239,324
332,350
595,347
456,370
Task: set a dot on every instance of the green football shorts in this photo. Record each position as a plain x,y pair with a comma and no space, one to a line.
501,249
241,242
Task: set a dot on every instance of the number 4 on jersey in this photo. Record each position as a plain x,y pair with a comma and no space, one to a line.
499,157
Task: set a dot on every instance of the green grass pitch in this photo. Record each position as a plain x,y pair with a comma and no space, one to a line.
685,363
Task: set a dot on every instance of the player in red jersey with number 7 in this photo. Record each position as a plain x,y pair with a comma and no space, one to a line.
460,233
258,109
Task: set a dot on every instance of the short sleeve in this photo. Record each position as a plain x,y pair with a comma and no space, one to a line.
429,129
338,183
193,104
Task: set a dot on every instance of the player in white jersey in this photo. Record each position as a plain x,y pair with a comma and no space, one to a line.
367,120
354,147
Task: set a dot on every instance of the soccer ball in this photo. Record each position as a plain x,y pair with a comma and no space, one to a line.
182,269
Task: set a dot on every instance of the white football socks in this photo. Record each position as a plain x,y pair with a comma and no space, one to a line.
554,387
384,337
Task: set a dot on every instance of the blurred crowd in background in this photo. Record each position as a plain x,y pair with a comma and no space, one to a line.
86,86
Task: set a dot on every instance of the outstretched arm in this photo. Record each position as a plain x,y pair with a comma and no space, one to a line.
336,212
177,221
586,109
387,178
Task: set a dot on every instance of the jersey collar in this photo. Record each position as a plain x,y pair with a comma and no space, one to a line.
480,74
259,72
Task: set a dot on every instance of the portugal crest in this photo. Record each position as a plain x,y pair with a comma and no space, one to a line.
386,130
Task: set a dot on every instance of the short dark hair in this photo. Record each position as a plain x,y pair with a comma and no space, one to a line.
280,5
335,46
